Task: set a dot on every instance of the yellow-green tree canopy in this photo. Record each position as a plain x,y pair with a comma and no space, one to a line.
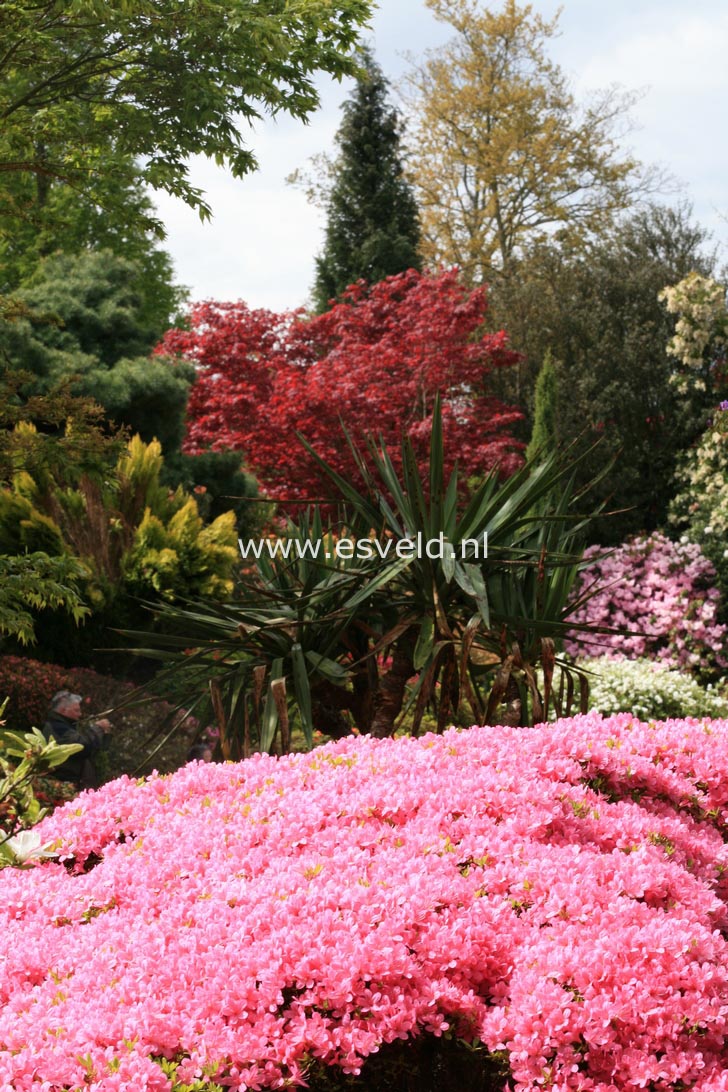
500,149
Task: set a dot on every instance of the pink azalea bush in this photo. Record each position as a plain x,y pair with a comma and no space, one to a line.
661,598
557,893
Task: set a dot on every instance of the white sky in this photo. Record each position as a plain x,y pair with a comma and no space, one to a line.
261,243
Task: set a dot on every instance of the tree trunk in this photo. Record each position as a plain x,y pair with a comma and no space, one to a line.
390,695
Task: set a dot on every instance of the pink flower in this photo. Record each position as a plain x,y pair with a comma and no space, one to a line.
659,597
559,893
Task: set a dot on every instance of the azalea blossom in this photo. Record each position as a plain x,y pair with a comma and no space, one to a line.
557,893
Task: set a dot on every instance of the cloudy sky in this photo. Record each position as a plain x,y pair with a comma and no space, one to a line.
262,240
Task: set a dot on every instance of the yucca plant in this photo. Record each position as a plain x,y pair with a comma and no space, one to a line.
337,641
472,631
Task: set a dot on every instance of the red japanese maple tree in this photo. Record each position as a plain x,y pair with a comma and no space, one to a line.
373,362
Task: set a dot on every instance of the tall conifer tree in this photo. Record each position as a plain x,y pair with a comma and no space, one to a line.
373,227
544,437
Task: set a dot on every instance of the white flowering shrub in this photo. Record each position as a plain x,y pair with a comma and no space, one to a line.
651,691
701,331
700,507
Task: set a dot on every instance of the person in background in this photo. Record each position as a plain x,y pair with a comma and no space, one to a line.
200,752
63,726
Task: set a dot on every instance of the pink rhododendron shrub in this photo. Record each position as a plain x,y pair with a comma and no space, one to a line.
661,598
558,893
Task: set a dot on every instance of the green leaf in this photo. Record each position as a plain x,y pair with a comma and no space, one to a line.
425,643
269,720
330,669
302,691
448,560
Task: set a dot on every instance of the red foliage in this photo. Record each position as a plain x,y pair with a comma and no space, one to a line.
374,362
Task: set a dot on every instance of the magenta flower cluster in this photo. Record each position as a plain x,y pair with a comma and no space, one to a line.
558,894
660,598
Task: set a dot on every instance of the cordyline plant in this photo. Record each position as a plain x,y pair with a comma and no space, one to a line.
374,641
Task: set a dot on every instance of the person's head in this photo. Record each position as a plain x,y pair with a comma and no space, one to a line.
201,752
67,704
